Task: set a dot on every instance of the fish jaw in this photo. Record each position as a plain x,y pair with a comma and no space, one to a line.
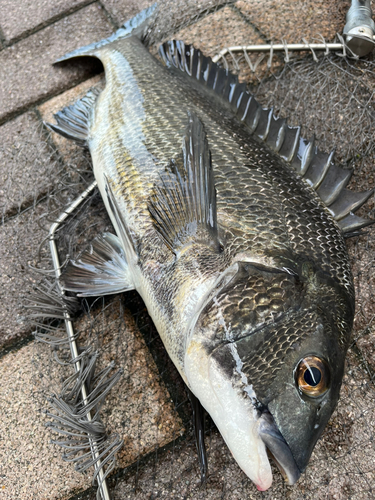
235,414
278,447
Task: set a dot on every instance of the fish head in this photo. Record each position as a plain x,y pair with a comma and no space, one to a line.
266,359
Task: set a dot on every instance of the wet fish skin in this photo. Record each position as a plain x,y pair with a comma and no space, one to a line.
240,301
274,342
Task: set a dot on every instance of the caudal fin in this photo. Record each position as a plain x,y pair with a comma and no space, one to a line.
136,26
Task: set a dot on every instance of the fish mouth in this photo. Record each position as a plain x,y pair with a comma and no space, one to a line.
278,448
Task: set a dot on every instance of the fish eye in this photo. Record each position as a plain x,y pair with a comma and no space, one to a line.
312,376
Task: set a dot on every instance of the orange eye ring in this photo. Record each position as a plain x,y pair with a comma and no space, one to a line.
312,376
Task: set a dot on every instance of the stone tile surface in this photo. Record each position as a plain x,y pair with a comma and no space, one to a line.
26,69
31,467
27,165
172,15
20,16
122,10
292,21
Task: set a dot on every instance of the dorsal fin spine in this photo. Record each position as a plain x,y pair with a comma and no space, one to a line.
319,167
280,137
239,99
333,183
307,156
239,91
267,115
290,150
326,168
243,107
253,119
347,202
327,179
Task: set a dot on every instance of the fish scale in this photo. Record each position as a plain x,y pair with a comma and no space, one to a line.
241,264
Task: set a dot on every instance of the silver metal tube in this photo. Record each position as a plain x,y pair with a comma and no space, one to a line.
103,487
359,29
278,47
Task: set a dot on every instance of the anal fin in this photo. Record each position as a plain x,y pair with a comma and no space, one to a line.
73,122
100,270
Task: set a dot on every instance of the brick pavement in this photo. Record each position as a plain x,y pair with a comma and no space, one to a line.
32,35
20,18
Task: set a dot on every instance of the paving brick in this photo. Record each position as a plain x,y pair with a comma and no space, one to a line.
27,165
172,15
139,409
122,10
20,16
27,72
31,468
292,21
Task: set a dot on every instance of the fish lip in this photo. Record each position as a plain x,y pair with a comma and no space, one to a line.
278,448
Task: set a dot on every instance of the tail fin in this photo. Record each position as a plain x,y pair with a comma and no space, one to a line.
136,26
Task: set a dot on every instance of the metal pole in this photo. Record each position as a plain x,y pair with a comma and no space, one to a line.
102,484
278,47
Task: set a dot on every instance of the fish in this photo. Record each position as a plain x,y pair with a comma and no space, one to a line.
231,226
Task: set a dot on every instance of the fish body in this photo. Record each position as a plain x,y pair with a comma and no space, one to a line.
222,230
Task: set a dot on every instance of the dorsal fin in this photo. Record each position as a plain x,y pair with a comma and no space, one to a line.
317,168
183,204
73,122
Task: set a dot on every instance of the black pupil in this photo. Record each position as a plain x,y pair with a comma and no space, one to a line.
312,376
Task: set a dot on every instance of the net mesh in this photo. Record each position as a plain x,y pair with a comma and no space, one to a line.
331,97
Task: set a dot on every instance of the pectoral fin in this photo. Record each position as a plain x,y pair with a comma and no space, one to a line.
100,270
183,204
